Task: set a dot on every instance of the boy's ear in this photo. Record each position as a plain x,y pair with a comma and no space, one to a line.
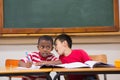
65,42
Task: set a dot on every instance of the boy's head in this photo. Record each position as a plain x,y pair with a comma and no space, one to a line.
62,42
45,45
64,37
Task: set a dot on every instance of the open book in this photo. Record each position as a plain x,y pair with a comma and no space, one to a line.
87,64
24,68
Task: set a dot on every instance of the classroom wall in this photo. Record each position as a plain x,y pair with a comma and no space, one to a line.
18,51
14,47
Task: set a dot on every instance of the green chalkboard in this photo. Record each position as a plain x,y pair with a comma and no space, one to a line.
58,13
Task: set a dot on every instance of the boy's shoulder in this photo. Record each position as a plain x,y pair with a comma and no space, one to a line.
79,52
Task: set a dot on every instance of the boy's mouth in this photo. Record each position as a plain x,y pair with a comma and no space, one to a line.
45,54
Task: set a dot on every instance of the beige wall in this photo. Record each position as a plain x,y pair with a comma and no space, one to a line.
93,43
18,51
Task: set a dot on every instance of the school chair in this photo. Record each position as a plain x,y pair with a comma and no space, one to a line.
97,57
101,58
12,63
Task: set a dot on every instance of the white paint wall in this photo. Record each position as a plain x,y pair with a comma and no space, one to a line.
18,51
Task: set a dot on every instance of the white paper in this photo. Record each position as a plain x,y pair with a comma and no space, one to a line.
32,67
73,65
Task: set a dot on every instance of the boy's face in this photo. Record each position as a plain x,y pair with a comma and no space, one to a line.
59,47
45,48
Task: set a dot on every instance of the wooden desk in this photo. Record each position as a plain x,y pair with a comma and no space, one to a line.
64,71
17,72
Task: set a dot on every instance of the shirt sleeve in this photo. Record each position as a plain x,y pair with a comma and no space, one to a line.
25,59
52,58
85,56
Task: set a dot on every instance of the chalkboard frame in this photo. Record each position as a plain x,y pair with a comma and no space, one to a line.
61,30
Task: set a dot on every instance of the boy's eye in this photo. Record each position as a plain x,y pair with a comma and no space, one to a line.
42,47
47,47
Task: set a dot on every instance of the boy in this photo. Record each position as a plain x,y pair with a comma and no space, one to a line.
45,46
63,45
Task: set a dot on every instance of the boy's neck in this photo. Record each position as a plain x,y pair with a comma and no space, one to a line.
67,52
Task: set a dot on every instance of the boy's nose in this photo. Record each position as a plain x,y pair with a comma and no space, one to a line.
45,49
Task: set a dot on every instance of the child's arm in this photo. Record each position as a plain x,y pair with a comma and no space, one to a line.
48,63
23,64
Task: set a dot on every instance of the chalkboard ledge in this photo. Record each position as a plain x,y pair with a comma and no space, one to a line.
71,34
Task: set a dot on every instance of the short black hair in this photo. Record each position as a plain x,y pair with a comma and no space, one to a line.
45,37
64,37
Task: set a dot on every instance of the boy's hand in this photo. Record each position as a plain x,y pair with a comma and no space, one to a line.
40,63
48,63
29,64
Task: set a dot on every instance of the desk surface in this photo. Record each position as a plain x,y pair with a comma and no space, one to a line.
64,71
90,70
22,72
17,70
